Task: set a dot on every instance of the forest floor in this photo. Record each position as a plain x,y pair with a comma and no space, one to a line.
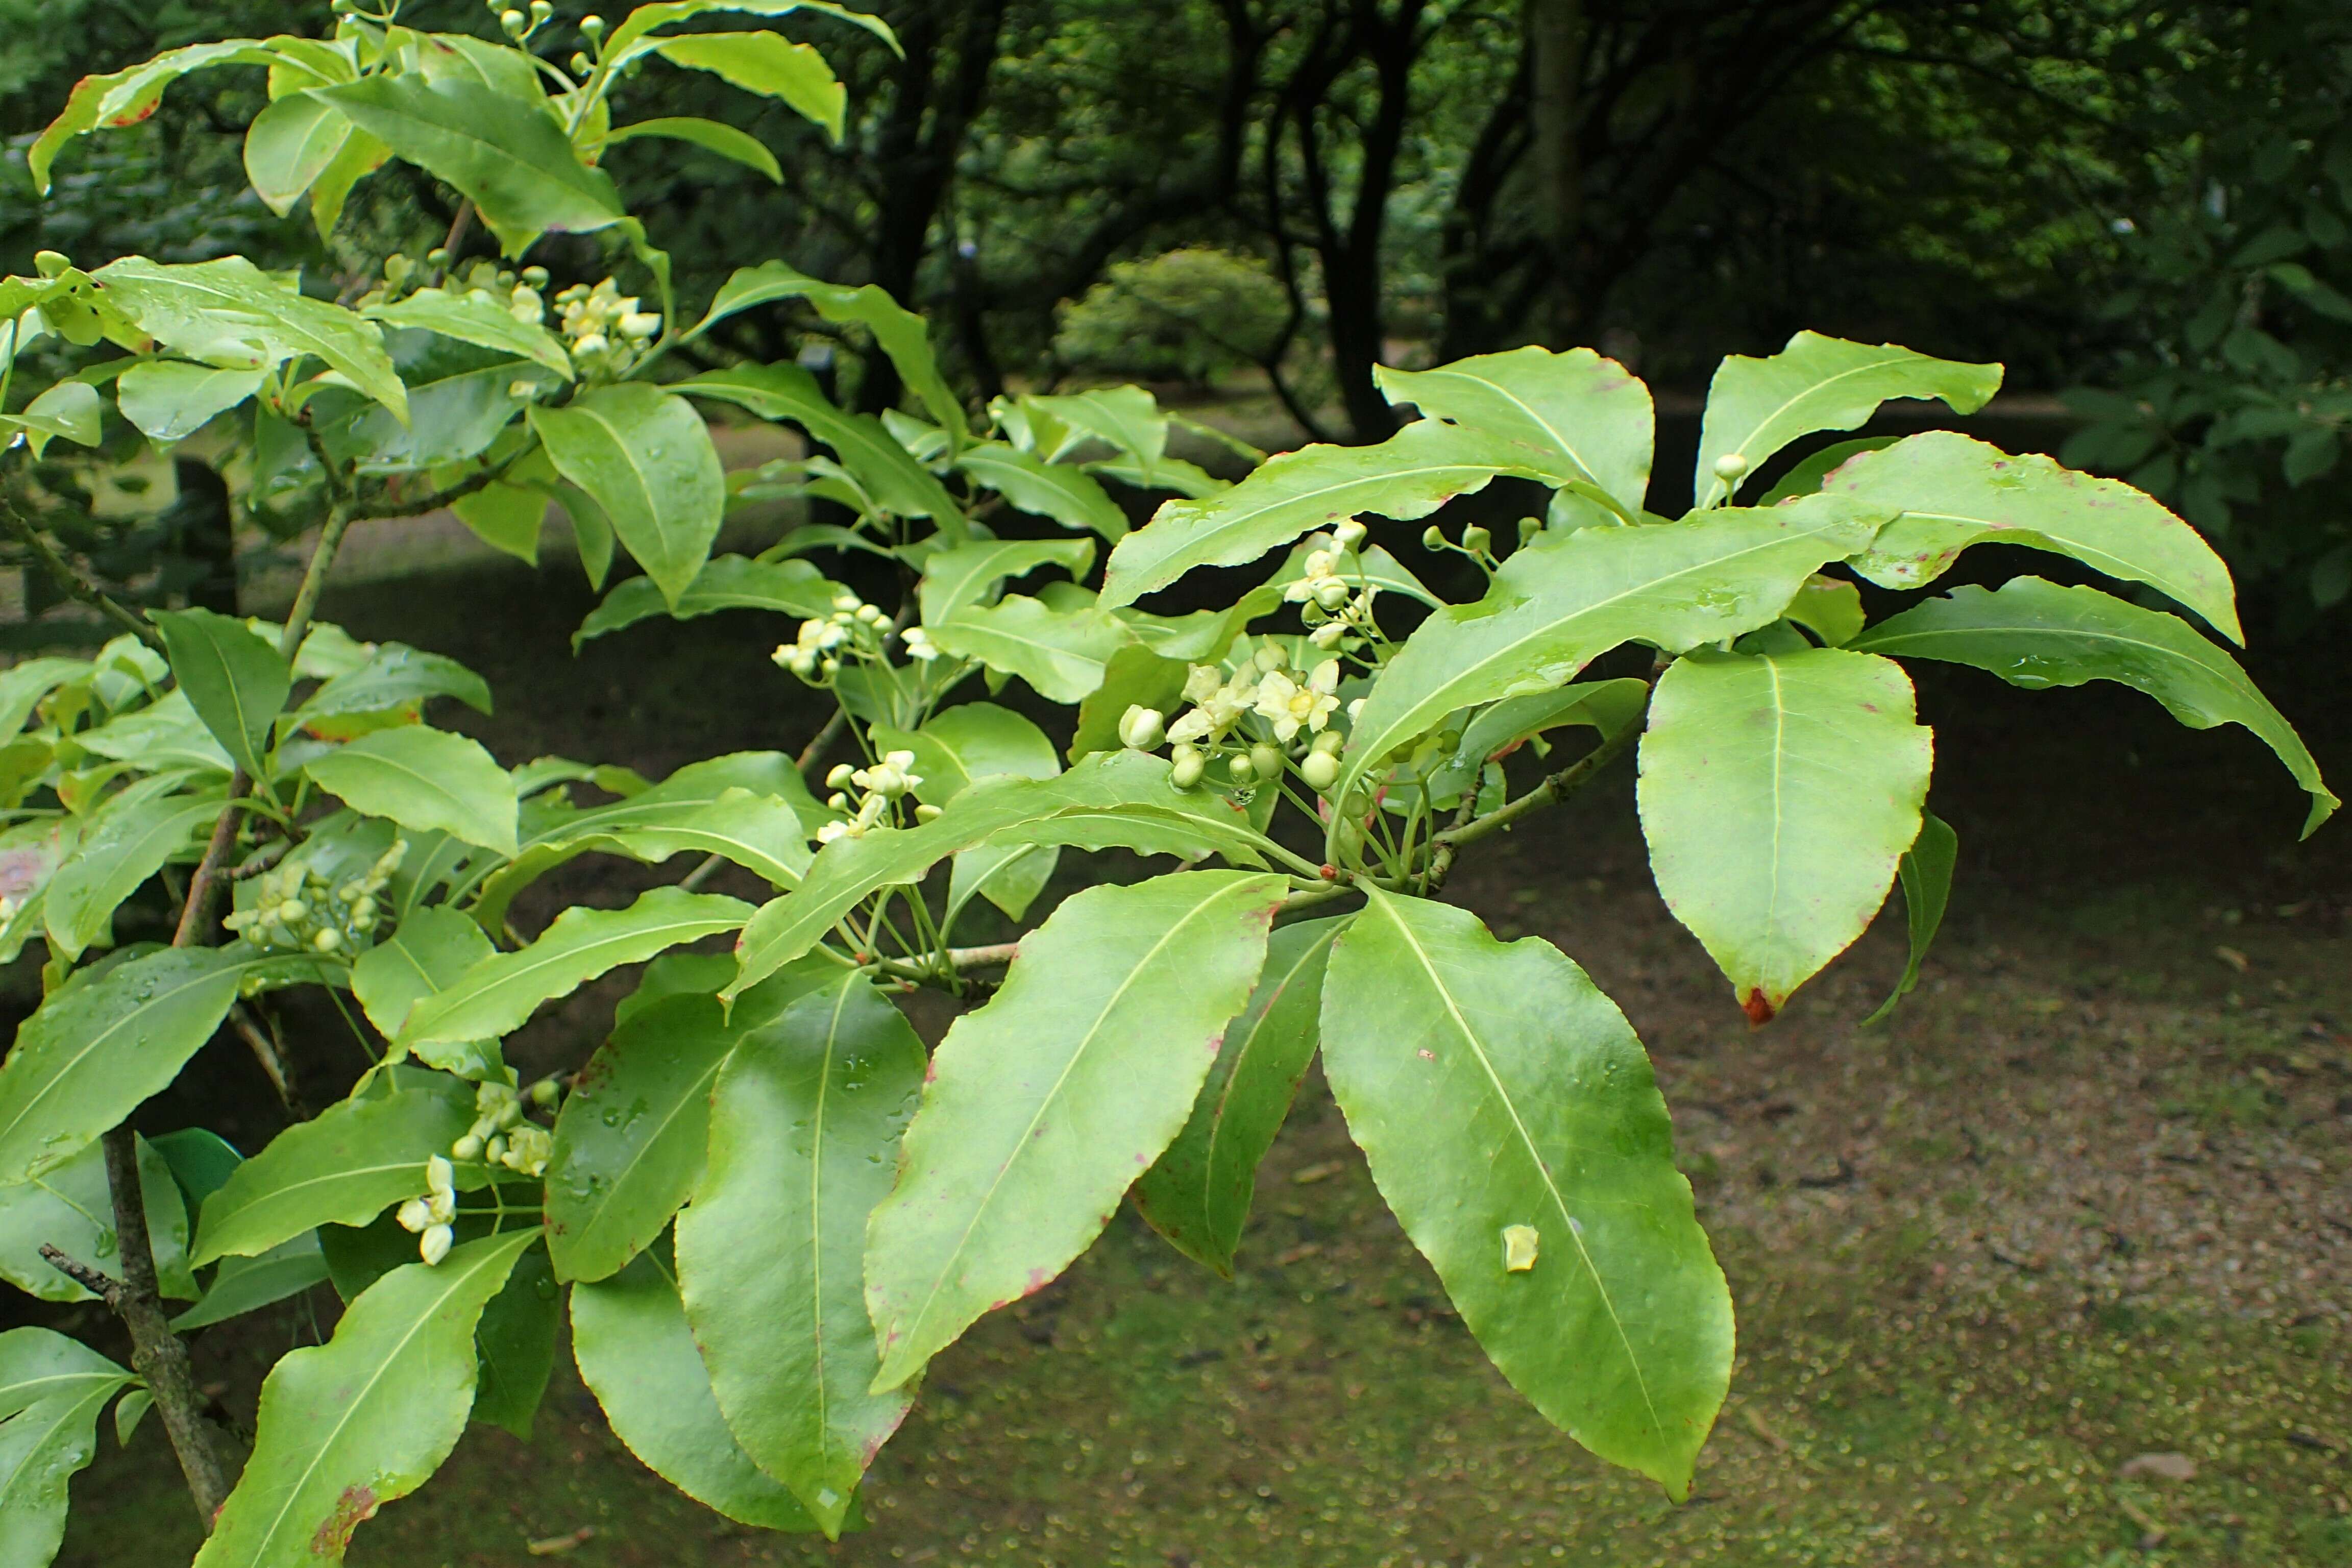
2054,1269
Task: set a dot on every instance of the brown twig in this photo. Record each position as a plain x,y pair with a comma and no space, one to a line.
98,1282
72,584
261,1037
1555,789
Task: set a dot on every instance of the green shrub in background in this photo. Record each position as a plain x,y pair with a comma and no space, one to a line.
1183,315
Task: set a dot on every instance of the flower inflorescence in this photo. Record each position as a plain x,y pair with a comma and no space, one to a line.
300,909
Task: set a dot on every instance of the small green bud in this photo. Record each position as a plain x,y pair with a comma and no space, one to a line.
292,911
541,10
1140,728
1265,761
511,1112
1331,594
469,1147
511,22
1430,539
839,777
1241,769
1731,465
1349,535
1474,538
1320,770
594,25
327,940
545,1092
1329,742
1528,528
581,64
927,813
1186,766
495,1151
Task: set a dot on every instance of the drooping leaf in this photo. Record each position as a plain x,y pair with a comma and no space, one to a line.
710,135
897,331
1566,599
235,681
70,1206
888,471
515,1345
474,318
1067,495
1493,1087
1408,476
128,96
1060,653
1926,873
1197,1193
424,779
805,1118
1047,1102
1777,793
1953,491
170,400
725,582
497,995
242,1285
2036,635
1755,406
637,1355
38,1363
345,1166
508,156
1588,417
966,574
69,409
643,19
768,64
647,460
505,517
365,1419
128,840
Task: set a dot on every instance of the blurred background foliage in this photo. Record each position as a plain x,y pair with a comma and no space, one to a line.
2145,207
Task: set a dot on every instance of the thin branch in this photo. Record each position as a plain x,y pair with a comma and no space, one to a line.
99,1283
261,1038
1555,789
814,753
72,584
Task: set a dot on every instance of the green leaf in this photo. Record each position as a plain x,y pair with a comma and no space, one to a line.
69,409
725,582
1493,1087
289,144
23,686
969,742
637,1355
507,156
394,676
496,996
1926,873
165,734
201,1160
232,313
1410,475
244,1285
1566,599
1067,495
643,19
1829,607
710,136
1044,1104
424,779
1807,477
2037,635
1060,653
126,842
966,574
1009,876
768,64
1197,1193
515,1345
647,460
128,96
505,517
235,681
349,1425
361,155
629,1140
431,948
1585,416
345,1166
1953,491
37,1365
474,318
1607,705
771,1251
1136,677
897,331
1776,793
1755,406
98,1046
849,869
51,1390
70,1206
891,474
170,400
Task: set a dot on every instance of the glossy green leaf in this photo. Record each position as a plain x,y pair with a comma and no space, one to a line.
804,1121
1807,476
1777,793
98,1046
51,1392
289,144
394,676
200,1161
710,135
1926,873
1046,1103
890,473
768,64
499,993
474,318
345,1166
637,1355
230,312
725,582
1755,406
235,681
170,400
1829,607
1197,1193
647,460
897,331
1060,653
128,96
128,840
431,947
515,1345
37,1365
508,156
1492,1086
1056,491
349,1425
424,779
967,573
643,19
69,409
361,155
1128,418
1010,875
23,685
1566,599
1587,416
2037,635
506,517
243,1284
1410,475
972,741
1953,491
70,1206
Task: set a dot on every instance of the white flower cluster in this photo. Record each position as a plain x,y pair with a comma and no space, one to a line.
500,1136
880,787
1334,599
604,328
1263,687
298,909
434,1217
855,629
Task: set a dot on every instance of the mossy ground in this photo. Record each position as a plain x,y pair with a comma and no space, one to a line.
2085,1199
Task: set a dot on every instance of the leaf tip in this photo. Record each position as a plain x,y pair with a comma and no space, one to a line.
1760,1009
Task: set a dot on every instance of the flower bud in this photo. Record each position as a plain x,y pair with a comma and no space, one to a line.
50,263
327,940
435,1243
1475,538
292,911
469,1147
1241,769
1140,728
590,344
1331,592
1320,770
541,10
838,778
1329,740
592,25
545,1092
1731,465
1528,528
511,22
509,1112
1265,761
927,813
1328,634
415,1216
1349,535
1186,765
1430,539
495,1151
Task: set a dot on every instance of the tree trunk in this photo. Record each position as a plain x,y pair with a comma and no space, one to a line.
1555,69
